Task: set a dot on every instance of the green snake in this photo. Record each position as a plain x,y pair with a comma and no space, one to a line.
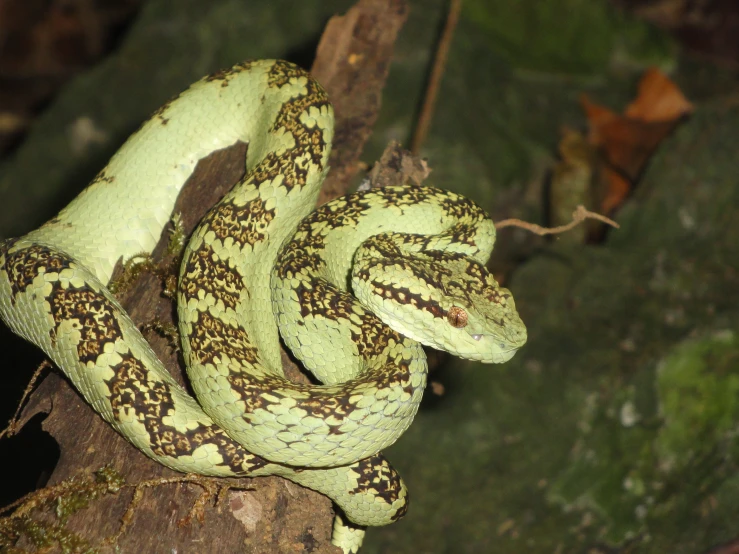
413,257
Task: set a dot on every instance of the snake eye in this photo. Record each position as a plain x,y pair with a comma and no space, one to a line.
457,317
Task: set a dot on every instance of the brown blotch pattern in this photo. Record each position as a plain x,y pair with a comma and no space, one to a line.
24,265
344,212
159,112
374,337
299,256
206,272
251,387
337,408
303,252
103,177
91,314
317,402
244,224
457,206
211,338
375,475
402,295
132,388
151,400
292,164
400,376
226,74
322,299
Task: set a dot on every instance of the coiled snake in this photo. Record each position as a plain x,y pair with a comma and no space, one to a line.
414,256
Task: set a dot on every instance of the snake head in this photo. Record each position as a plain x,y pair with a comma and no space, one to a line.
444,300
483,325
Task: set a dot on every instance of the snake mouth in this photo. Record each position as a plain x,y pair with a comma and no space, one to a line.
505,355
499,351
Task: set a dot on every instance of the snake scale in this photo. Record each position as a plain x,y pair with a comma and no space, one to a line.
413,257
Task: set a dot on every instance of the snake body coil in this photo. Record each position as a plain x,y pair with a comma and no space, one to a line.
414,257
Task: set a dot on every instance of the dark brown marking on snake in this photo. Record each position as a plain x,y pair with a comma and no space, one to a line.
458,207
134,392
102,177
452,274
282,72
205,271
403,509
335,403
6,245
132,388
90,313
24,265
300,257
397,377
322,299
342,212
310,143
347,210
252,387
376,476
211,339
159,112
87,310
373,337
5,258
245,225
403,295
226,74
302,254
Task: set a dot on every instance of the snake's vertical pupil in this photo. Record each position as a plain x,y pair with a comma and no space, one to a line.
457,317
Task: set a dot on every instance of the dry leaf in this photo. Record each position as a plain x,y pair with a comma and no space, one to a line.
626,142
658,99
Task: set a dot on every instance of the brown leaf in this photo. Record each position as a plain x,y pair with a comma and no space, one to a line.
626,142
658,99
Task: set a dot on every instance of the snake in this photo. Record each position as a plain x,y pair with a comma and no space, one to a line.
353,288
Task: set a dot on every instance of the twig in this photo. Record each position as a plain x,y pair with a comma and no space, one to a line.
437,71
10,430
578,216
211,488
